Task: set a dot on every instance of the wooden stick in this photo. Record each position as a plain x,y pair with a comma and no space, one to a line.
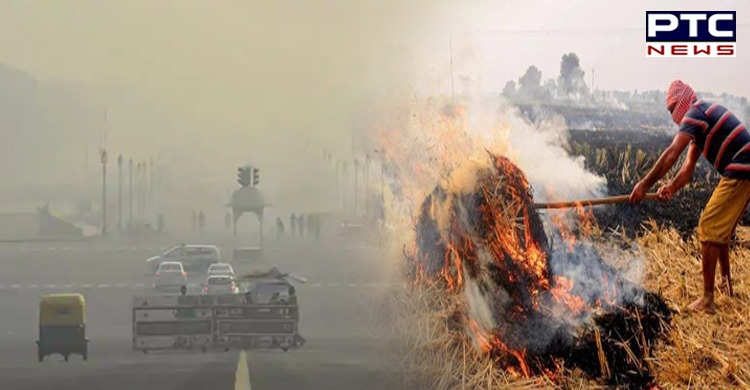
589,202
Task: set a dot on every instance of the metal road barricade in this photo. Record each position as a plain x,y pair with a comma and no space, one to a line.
205,322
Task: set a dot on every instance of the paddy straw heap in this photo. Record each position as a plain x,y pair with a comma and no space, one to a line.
533,310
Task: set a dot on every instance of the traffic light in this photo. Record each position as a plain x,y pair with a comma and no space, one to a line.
243,176
256,176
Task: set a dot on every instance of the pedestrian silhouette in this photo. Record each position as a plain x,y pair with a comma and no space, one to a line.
279,228
228,220
301,224
293,224
201,222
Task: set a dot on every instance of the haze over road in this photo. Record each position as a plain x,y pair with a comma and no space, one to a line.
339,353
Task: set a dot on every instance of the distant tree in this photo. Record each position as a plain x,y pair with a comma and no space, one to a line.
509,90
531,79
530,84
571,80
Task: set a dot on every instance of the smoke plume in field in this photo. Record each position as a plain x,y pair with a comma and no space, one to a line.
435,148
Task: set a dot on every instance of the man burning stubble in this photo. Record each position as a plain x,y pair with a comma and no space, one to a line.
711,130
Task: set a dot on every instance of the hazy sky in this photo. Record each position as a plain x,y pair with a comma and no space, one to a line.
158,45
223,62
608,36
230,79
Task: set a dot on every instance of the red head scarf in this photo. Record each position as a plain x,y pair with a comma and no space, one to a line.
681,97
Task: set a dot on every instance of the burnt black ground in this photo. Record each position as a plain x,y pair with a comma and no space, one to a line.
621,149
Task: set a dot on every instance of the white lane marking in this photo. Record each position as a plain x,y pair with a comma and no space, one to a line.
85,286
68,286
120,248
14,286
140,285
352,285
50,286
242,375
122,285
316,285
333,284
51,249
65,248
33,286
103,286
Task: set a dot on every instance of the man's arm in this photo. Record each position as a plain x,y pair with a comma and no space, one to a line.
667,160
686,171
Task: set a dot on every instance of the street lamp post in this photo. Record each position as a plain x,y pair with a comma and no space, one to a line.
119,192
139,189
382,180
130,192
356,188
367,184
104,191
150,196
142,189
145,188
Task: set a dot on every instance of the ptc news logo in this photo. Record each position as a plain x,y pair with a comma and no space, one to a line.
691,33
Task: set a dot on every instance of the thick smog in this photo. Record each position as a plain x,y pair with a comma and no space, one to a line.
373,195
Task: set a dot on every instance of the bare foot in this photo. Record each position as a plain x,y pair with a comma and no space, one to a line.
702,305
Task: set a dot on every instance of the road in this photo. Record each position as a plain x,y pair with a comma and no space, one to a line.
344,280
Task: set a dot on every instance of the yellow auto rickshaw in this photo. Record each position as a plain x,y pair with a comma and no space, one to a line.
62,326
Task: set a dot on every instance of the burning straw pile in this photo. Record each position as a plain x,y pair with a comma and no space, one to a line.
532,311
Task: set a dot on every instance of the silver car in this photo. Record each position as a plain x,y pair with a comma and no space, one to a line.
220,284
195,258
221,269
170,275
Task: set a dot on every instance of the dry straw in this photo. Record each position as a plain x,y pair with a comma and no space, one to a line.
702,351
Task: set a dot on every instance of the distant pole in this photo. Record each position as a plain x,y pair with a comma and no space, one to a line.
144,188
86,158
382,180
367,184
356,187
104,191
260,221
344,182
150,197
119,192
137,186
339,185
235,217
450,45
130,192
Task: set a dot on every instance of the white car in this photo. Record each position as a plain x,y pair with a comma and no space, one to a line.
169,275
195,258
221,269
220,284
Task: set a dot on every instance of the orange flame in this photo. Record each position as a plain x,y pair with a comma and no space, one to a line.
419,159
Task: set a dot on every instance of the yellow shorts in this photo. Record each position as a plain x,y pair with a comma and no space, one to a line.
723,211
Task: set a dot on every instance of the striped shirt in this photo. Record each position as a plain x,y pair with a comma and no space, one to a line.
721,137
